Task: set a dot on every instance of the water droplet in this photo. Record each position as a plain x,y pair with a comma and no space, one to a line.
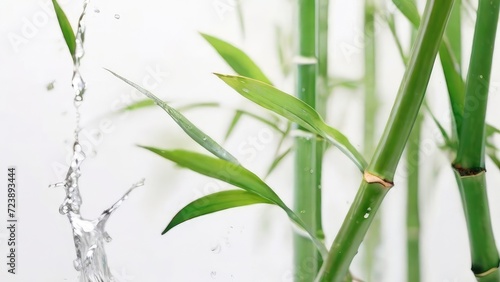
205,138
303,89
117,16
77,265
213,274
107,238
311,171
303,211
96,10
367,214
246,90
319,186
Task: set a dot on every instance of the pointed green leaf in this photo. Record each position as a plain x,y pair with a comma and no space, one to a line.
232,125
233,174
146,103
344,83
408,8
213,203
392,26
283,45
236,59
241,19
277,161
490,130
194,132
293,109
67,30
450,143
193,106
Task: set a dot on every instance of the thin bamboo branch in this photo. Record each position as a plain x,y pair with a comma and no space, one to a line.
412,211
378,177
371,103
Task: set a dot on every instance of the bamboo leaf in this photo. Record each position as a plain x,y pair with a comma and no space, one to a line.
283,43
450,143
240,62
146,103
67,30
241,19
232,125
409,10
277,161
293,109
343,83
213,203
194,132
192,106
392,26
233,174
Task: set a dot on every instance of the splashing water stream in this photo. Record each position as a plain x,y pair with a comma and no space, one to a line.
89,235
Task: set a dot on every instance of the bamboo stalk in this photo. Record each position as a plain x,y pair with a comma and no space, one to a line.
380,173
321,106
412,212
306,257
370,114
469,164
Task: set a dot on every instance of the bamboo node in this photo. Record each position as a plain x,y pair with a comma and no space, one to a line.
486,273
371,178
468,171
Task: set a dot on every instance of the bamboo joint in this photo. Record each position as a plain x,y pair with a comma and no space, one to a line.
371,178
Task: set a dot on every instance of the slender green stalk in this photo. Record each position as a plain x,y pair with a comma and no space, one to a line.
322,95
412,212
380,173
370,115
306,258
469,164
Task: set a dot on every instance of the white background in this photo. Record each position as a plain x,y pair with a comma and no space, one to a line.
160,39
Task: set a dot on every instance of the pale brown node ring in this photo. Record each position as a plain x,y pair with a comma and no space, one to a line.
486,273
371,178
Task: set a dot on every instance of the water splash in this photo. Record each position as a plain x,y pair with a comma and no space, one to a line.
77,82
89,235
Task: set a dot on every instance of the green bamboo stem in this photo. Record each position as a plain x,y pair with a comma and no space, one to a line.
371,102
306,257
469,164
379,175
412,212
321,105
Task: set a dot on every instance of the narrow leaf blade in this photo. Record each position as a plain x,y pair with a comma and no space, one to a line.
277,161
213,203
194,132
238,60
408,8
293,109
67,30
236,175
